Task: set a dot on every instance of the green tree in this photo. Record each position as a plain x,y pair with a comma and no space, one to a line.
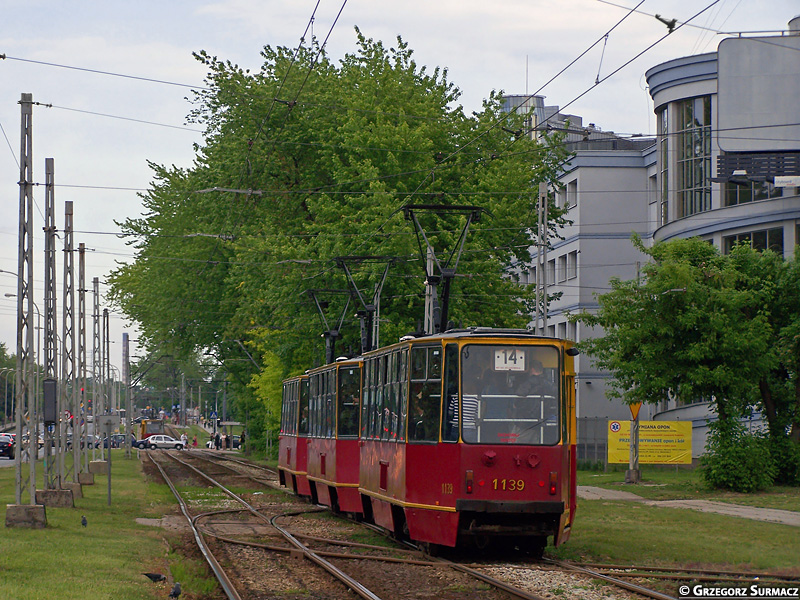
307,160
687,327
702,325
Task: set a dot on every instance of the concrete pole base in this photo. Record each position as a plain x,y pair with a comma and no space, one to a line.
55,498
77,492
86,478
32,516
98,467
632,476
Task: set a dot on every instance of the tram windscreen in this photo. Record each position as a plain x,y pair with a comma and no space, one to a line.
509,394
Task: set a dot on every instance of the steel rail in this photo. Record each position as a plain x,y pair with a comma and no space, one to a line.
626,585
218,461
357,587
742,574
496,583
219,572
429,561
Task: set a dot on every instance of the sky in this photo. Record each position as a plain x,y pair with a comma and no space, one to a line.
113,80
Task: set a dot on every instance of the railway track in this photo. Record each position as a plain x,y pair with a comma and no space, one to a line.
363,570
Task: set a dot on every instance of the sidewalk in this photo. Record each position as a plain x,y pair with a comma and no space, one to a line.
769,515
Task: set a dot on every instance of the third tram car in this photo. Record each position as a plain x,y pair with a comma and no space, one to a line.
292,448
461,438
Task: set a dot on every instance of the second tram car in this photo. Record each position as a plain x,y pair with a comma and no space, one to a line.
459,438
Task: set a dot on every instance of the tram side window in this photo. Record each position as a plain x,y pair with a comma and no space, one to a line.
303,408
380,403
368,406
450,398
402,398
349,401
330,407
426,394
285,409
314,405
289,413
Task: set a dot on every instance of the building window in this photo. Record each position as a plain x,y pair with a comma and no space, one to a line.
561,198
551,272
694,156
663,149
572,331
762,239
562,268
754,190
572,264
572,193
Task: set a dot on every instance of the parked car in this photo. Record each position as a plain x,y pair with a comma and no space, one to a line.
6,446
164,441
92,440
118,439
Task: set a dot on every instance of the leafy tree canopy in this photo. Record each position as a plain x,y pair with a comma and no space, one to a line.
307,160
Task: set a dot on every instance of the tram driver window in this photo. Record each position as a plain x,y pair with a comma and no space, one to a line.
509,394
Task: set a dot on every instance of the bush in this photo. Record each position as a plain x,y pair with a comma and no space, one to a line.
737,460
786,460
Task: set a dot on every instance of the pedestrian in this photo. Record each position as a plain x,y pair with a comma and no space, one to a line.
184,440
194,441
217,441
241,442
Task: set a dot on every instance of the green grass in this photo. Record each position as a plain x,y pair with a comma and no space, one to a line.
633,533
102,561
665,483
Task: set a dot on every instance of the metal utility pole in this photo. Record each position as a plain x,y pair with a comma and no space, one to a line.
96,357
68,372
52,401
541,262
25,399
126,382
108,378
82,352
182,420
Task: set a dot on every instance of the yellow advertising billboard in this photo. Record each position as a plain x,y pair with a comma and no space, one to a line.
660,442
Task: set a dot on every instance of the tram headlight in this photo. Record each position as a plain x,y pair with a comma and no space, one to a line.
553,482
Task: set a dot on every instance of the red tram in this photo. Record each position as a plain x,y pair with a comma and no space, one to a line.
292,447
464,437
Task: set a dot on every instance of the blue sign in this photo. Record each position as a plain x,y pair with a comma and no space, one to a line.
214,415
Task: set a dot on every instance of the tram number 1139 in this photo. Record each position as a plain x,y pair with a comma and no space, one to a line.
509,485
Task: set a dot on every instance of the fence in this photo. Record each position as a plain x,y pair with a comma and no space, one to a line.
592,446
